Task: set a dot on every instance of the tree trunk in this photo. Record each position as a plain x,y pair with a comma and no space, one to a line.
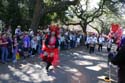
84,30
102,29
40,11
84,27
36,16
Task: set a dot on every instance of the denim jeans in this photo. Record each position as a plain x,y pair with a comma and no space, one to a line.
4,56
0,53
39,49
14,54
71,43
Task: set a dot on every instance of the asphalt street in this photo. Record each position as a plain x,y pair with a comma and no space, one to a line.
76,66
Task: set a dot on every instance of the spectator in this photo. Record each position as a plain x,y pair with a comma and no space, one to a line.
15,49
18,30
39,38
4,49
34,44
100,42
20,46
26,44
87,41
9,46
93,41
62,41
77,40
109,44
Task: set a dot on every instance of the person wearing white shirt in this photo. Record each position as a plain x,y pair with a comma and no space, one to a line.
93,41
100,42
77,41
31,33
34,44
87,41
62,41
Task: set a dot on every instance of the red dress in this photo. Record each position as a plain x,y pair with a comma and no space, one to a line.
52,53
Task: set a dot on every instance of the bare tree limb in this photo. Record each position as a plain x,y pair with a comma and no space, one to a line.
86,5
70,23
94,28
98,12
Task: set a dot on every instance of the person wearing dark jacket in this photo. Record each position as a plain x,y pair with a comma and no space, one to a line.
119,60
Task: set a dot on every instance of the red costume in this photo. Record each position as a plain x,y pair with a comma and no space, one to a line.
50,48
116,33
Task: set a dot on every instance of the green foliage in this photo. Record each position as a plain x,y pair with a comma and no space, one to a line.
47,19
20,12
52,17
1,9
112,6
17,12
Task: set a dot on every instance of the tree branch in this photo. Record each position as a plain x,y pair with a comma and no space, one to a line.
97,13
86,5
63,5
81,13
71,23
94,28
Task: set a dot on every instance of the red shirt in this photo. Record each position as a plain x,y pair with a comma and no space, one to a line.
3,41
0,41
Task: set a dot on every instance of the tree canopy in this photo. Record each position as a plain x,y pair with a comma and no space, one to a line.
32,13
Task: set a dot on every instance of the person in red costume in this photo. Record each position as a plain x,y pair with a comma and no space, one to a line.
50,48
